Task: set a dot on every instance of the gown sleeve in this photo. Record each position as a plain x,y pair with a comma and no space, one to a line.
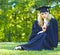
55,25
55,30
35,30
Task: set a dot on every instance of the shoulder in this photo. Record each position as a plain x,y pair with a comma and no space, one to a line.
53,20
35,22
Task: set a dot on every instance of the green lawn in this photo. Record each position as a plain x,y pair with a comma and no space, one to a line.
7,48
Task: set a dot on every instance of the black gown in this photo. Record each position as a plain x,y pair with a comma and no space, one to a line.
45,40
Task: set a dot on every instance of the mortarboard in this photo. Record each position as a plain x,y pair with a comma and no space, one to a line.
43,9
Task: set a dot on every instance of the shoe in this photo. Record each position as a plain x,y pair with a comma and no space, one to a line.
18,48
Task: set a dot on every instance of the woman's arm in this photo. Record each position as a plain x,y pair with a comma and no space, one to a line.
34,29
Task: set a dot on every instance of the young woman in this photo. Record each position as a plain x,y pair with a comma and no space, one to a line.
44,32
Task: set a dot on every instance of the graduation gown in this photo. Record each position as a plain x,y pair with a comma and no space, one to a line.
45,40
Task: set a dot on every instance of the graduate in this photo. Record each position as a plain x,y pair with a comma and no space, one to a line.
44,33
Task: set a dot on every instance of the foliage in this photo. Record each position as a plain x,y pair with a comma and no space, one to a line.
17,17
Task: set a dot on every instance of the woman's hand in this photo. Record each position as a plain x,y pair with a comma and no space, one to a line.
44,27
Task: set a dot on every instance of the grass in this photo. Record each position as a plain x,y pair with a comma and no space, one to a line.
7,48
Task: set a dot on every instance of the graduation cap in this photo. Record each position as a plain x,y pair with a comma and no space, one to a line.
43,9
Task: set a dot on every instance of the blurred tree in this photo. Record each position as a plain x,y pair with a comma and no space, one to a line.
17,16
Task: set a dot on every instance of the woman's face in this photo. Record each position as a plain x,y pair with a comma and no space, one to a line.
44,14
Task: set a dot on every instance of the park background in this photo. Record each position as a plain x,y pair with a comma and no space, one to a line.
16,20
17,17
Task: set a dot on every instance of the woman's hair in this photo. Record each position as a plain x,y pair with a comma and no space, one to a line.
40,20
